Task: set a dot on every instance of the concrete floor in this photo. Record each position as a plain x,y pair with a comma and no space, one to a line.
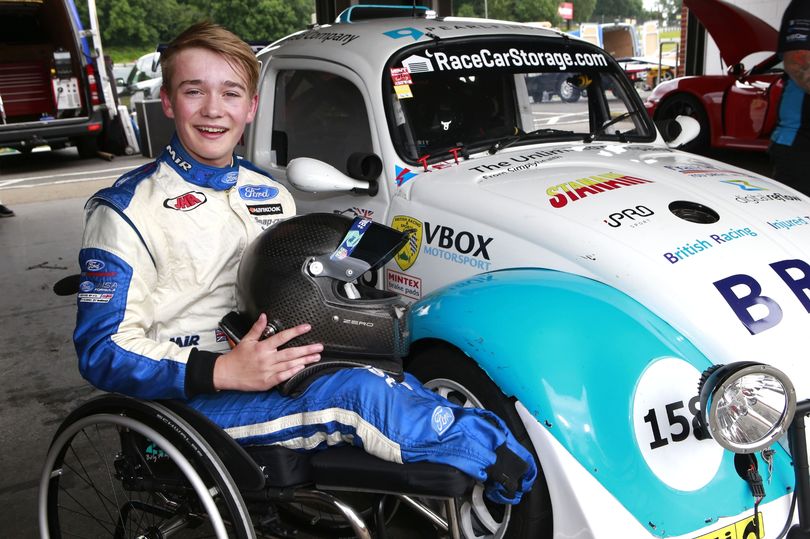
41,383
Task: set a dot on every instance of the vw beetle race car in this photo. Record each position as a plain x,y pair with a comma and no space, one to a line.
637,314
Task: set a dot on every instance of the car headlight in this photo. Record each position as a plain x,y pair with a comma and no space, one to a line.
746,406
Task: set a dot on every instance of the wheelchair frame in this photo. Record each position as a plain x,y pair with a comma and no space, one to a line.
201,451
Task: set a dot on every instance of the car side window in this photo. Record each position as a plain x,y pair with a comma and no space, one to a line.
318,115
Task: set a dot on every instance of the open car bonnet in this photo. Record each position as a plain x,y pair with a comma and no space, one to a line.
727,23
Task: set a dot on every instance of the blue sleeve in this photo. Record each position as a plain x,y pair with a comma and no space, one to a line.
102,309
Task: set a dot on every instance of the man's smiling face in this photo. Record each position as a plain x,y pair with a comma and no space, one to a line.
210,104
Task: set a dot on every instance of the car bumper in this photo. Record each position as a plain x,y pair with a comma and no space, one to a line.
40,132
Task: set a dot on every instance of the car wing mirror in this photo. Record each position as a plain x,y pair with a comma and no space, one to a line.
314,176
679,131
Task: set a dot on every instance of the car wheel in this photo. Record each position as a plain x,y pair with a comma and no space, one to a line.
567,91
87,146
683,104
456,377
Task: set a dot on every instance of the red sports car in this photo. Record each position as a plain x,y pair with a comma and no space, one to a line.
735,110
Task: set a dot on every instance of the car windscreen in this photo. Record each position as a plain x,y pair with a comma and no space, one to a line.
451,97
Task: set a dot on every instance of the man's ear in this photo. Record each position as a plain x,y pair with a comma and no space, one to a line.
166,101
254,104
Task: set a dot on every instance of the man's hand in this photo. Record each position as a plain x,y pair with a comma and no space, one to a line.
797,65
255,365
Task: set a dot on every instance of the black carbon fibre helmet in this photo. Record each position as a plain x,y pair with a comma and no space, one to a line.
306,270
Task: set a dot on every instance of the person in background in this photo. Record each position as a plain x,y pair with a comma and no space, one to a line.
790,141
159,261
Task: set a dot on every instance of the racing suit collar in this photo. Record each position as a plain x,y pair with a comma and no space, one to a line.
197,173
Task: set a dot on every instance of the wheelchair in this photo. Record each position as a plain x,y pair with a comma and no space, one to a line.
123,467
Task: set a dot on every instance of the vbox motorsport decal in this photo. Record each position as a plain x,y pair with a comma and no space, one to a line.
444,242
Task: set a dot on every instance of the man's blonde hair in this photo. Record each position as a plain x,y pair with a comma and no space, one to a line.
215,38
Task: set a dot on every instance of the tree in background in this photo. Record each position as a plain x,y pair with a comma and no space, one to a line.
668,10
583,9
610,10
511,10
145,23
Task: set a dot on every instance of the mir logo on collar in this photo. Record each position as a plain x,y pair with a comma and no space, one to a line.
185,165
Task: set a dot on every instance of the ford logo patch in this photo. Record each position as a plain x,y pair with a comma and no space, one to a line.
86,286
94,265
258,192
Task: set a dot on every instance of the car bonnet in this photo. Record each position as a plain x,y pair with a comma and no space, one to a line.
726,23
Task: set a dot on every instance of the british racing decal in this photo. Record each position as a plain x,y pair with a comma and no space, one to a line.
186,201
406,256
699,245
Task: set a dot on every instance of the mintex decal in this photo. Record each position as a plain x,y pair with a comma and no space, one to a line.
703,244
406,256
404,285
580,188
185,202
511,58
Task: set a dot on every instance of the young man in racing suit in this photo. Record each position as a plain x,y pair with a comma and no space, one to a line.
159,264
790,141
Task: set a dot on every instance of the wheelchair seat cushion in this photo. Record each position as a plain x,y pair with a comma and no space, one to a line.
351,467
282,467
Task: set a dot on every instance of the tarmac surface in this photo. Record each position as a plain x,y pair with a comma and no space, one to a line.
41,383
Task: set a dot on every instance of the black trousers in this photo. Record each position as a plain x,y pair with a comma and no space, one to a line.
791,166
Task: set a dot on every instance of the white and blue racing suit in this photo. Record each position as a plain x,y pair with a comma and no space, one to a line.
159,261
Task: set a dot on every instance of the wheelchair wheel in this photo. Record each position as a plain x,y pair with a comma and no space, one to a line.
456,377
116,472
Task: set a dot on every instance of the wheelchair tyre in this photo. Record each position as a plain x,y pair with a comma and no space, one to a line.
452,374
93,486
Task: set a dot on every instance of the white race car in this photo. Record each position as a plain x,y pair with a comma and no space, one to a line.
570,269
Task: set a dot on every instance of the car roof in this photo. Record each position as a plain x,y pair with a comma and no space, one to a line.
372,42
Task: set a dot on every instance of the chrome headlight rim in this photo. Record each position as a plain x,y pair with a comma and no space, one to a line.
719,377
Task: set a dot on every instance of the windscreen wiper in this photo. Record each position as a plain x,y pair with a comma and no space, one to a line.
590,137
513,139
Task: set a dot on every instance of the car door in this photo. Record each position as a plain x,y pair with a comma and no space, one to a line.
750,108
318,110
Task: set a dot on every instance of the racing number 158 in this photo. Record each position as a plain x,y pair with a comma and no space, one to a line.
679,424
